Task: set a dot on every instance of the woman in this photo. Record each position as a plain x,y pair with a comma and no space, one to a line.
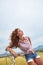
24,43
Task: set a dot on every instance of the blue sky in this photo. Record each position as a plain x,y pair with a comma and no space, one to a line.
24,14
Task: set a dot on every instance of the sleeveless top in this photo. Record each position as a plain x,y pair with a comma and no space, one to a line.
25,45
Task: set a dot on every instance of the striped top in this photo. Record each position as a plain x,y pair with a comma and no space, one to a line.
25,45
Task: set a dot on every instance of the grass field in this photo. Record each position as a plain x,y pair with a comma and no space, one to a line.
19,60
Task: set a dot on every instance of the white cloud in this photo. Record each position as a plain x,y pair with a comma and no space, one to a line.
38,41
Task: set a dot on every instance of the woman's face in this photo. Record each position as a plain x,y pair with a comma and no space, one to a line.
20,33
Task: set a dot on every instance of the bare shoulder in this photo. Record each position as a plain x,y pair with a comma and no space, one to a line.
27,37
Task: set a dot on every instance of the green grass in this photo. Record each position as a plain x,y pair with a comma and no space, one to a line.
19,60
41,54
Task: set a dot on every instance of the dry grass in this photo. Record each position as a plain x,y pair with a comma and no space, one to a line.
19,60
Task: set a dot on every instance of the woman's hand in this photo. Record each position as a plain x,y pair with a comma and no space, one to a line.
30,51
7,49
11,51
15,54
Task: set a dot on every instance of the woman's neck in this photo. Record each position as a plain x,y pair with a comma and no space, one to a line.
22,38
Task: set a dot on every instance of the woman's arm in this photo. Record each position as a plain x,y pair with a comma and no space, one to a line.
30,40
31,45
11,51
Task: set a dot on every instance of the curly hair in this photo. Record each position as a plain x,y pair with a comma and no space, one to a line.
14,38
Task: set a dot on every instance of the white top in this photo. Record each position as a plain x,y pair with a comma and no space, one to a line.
25,45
